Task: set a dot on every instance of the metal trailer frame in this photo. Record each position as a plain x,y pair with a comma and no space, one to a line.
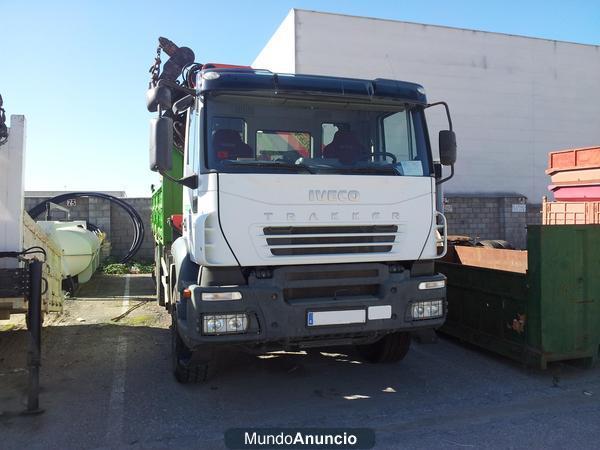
21,271
18,231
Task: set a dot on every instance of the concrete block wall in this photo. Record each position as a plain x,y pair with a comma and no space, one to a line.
111,219
491,216
122,231
78,212
534,214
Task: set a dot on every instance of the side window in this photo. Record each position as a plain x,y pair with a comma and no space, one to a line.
231,123
286,145
328,130
399,139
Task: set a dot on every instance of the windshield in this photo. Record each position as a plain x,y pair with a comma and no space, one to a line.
275,135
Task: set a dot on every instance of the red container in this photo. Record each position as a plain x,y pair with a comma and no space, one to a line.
570,213
576,158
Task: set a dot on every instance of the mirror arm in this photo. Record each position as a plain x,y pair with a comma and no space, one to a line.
447,112
443,180
190,181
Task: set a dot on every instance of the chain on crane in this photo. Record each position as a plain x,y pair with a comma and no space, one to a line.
3,126
179,58
155,68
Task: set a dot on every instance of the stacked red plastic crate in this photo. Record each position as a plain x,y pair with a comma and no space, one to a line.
575,175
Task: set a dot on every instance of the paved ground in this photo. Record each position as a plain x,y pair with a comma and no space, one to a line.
107,384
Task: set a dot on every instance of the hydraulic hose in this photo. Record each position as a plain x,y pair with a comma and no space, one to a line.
136,220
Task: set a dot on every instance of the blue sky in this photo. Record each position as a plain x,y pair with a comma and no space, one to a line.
78,69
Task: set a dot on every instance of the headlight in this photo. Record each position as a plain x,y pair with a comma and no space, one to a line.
214,324
427,310
432,284
219,296
224,323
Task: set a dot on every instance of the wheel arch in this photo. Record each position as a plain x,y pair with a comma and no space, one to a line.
185,270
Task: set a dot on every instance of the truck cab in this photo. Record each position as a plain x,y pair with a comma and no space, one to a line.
308,211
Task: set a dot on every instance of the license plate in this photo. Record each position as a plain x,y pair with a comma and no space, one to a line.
340,317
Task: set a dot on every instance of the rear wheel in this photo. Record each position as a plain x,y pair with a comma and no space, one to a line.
160,290
188,366
389,349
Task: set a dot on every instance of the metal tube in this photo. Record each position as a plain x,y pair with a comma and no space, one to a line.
34,316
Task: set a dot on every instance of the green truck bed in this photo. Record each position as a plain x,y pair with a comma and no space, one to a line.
166,201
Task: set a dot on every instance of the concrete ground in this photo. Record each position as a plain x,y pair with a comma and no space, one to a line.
107,384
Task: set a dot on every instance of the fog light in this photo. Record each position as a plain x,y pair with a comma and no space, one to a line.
427,310
432,284
235,324
225,323
219,296
214,325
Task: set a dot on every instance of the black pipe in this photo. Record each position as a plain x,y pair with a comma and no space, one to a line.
34,324
136,220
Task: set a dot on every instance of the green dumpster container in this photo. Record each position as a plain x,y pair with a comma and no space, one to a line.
533,306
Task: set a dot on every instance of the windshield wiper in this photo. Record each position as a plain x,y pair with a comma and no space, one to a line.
373,169
269,164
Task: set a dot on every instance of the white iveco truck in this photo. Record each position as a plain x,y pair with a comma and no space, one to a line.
308,213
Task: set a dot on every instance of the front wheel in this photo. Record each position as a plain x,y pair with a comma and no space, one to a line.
389,349
188,366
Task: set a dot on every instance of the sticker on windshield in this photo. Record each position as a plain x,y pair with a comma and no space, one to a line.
412,168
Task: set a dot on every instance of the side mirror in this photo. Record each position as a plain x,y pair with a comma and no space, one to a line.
161,144
447,146
159,96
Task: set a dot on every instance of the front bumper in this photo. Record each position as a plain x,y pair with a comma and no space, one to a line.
278,307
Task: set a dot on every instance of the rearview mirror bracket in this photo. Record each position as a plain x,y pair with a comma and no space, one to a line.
447,145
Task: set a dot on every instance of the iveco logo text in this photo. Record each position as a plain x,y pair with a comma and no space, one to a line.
331,195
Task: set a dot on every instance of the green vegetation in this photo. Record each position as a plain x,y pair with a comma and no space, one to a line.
144,320
112,268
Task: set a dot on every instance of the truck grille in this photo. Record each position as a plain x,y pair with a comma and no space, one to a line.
316,240
337,282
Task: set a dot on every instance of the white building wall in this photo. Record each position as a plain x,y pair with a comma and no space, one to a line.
513,99
279,54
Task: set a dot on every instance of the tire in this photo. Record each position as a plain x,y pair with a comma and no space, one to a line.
389,349
495,243
70,285
157,275
188,366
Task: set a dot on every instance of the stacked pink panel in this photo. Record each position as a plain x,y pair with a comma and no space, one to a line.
575,174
